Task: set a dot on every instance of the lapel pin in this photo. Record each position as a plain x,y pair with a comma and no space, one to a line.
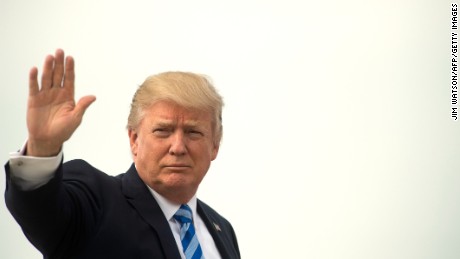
217,227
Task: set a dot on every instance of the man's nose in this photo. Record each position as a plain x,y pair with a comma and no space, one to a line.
178,146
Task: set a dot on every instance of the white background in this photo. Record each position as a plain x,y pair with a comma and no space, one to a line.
338,138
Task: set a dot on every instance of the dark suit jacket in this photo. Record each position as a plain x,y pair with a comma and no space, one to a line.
85,213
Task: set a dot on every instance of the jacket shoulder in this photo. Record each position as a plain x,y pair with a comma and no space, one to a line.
79,169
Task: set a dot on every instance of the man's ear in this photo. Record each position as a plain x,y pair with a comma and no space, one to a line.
133,141
215,151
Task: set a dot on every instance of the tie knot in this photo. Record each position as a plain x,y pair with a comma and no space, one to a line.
183,214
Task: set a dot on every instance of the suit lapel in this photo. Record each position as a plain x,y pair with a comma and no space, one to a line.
142,200
214,229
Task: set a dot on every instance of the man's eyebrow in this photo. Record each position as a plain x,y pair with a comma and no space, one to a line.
164,123
192,123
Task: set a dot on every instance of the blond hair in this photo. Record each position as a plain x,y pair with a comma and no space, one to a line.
183,88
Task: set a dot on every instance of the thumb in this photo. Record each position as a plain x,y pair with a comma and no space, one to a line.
83,104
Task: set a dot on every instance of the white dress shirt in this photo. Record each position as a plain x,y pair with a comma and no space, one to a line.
30,173
204,237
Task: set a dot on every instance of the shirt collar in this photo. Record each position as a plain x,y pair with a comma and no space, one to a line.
170,208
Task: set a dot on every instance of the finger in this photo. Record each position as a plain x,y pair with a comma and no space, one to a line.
83,104
33,81
69,75
47,76
58,73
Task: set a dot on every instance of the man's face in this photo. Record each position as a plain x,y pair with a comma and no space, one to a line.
173,148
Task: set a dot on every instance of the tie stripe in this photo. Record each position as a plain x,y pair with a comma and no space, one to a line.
190,244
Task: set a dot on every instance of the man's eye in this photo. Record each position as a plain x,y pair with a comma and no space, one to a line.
161,132
195,133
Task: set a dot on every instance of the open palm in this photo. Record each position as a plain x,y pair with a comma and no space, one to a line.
52,114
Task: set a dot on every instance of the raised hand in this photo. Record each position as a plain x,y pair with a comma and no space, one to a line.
52,114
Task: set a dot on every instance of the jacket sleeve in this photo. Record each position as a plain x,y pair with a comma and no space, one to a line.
58,216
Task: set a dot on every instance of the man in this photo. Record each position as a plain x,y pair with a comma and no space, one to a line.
73,210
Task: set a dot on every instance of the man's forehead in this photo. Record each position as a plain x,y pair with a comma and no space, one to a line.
177,119
174,121
169,113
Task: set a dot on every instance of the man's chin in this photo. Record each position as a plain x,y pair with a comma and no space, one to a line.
178,180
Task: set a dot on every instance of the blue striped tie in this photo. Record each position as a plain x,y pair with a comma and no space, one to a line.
190,244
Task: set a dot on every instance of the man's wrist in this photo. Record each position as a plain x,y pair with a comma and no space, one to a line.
41,149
